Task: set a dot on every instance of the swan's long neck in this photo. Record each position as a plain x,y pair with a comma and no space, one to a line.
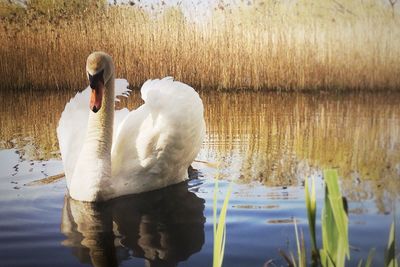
100,125
93,169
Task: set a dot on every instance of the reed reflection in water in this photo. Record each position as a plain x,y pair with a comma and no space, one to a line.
280,139
163,227
276,139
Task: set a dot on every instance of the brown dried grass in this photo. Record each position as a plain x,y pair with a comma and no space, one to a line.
257,47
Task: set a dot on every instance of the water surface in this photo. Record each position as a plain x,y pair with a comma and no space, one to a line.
264,144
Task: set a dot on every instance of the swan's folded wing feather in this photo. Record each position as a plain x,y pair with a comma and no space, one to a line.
71,130
121,89
159,140
73,123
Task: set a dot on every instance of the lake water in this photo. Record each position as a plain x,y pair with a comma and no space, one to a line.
264,144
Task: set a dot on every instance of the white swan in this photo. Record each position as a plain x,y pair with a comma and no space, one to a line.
107,153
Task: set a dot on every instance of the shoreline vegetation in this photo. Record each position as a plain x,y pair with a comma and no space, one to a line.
258,45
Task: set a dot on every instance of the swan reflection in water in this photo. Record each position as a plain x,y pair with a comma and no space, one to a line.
164,227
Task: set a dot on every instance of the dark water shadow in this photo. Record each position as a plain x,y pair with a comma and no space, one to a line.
163,227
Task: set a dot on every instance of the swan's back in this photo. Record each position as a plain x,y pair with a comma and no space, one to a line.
158,141
171,96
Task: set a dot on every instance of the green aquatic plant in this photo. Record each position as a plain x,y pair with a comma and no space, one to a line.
368,263
220,227
334,228
334,222
301,252
311,205
301,249
390,253
334,225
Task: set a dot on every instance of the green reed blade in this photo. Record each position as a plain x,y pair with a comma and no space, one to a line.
222,253
336,201
293,261
311,204
326,260
301,251
371,254
215,207
334,223
298,245
289,260
391,260
330,237
220,228
216,250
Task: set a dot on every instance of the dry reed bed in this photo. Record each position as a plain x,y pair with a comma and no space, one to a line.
233,50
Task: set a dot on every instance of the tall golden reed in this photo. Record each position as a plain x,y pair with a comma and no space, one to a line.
261,46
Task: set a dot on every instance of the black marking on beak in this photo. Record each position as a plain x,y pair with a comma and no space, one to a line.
95,109
95,79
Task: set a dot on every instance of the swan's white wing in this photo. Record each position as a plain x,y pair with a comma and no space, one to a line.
73,123
71,130
121,89
156,143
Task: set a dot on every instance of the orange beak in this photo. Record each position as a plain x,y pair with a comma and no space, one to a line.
96,97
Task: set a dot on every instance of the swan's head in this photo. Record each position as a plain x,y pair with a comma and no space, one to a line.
100,70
